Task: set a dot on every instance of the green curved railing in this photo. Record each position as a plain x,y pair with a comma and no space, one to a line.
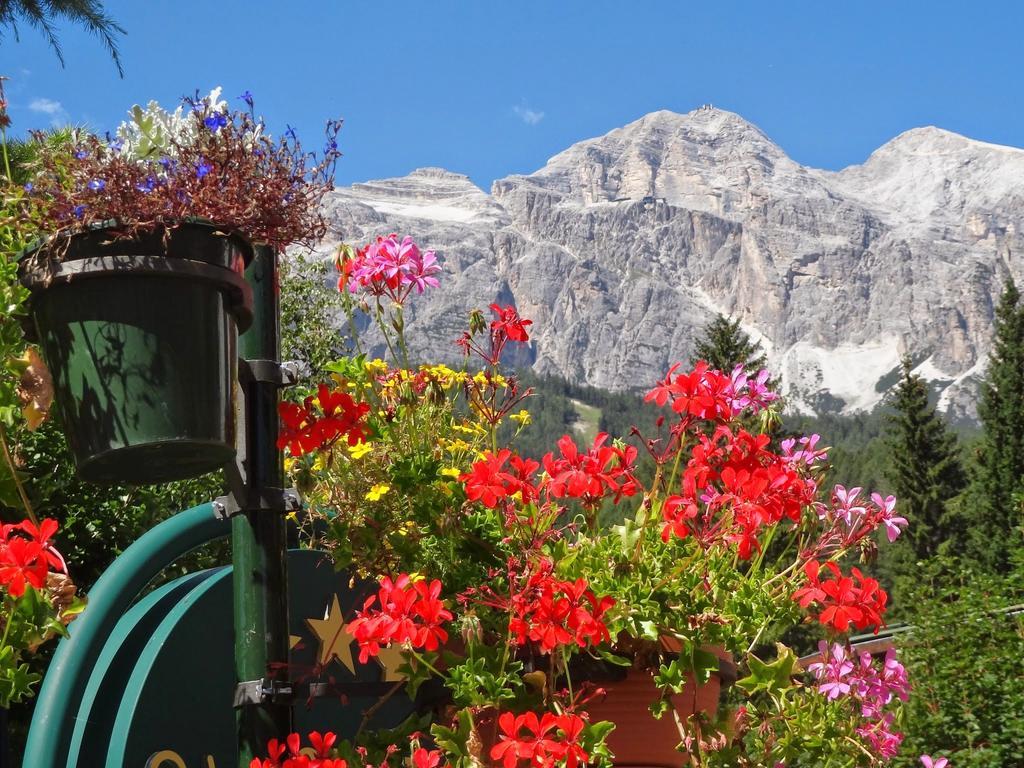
59,700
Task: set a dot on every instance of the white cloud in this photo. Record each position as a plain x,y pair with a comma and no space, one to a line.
46,106
528,115
54,109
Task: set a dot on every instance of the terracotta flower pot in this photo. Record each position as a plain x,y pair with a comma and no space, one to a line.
641,740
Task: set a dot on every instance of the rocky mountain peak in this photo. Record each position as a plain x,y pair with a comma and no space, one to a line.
427,193
708,159
931,175
622,248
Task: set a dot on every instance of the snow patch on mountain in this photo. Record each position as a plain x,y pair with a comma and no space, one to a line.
848,372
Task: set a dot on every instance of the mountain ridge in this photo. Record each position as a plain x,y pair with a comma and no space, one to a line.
622,246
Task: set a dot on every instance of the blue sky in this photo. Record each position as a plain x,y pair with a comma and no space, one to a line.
493,88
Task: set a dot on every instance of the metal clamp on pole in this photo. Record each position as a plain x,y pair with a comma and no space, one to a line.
281,500
262,691
268,372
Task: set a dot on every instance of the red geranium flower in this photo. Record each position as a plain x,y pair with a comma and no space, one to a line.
544,740
587,476
405,612
507,322
26,561
303,431
846,600
426,758
555,613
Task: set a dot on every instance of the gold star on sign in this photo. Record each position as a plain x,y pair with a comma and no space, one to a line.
390,659
333,636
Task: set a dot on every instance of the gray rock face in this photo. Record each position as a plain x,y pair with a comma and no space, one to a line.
623,247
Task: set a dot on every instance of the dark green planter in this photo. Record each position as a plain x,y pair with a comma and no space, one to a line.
140,337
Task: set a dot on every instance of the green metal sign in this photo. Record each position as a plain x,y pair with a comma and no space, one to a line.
152,682
177,704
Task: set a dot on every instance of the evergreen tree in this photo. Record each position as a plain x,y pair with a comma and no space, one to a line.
925,470
998,484
725,345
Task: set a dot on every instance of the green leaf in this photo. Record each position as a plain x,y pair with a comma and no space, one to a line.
453,740
611,658
659,708
771,678
649,630
628,534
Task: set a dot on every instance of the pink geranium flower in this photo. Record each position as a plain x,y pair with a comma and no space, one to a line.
893,524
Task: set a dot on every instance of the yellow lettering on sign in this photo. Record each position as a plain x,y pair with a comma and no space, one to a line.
165,756
170,756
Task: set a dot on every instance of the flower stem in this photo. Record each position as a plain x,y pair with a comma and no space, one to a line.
14,475
7,624
7,161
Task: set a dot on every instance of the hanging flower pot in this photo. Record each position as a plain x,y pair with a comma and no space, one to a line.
139,322
139,332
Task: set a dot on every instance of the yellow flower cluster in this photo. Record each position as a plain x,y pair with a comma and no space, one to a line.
496,380
472,428
444,375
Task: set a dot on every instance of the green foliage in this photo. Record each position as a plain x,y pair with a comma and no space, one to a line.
965,659
474,683
925,470
97,522
12,303
25,622
310,304
43,16
996,493
725,345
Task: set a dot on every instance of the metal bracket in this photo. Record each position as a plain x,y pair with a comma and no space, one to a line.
269,500
262,691
269,372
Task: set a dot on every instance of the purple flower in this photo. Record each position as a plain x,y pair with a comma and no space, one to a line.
216,121
147,186
203,168
750,393
81,154
78,211
97,185
247,98
929,762
29,187
290,132
880,737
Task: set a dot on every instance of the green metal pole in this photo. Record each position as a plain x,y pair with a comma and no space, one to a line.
258,535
